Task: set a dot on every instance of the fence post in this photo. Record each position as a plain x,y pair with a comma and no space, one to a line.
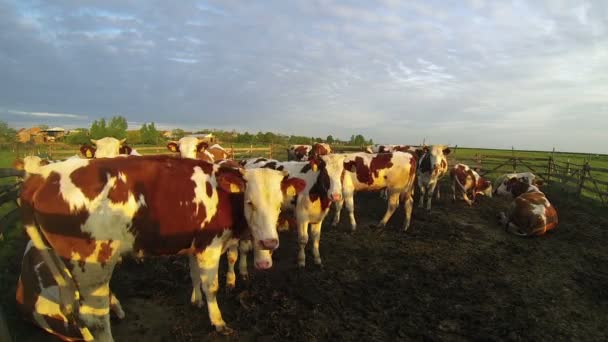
584,172
513,159
568,167
270,151
549,167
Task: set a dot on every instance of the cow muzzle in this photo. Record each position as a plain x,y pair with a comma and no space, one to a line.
263,265
269,244
336,196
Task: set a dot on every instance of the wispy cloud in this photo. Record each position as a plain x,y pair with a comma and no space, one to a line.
48,115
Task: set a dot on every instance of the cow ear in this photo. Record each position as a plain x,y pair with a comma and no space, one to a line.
88,151
314,164
201,146
539,182
122,141
173,146
44,162
446,151
125,149
230,181
292,186
18,164
94,141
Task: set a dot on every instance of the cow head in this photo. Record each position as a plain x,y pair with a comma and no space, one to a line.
188,147
30,164
107,147
483,187
319,149
516,187
263,196
329,181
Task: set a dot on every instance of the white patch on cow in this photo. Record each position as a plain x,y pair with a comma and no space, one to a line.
188,147
107,147
263,200
200,180
122,176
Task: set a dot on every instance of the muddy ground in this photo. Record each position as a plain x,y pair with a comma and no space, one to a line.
455,275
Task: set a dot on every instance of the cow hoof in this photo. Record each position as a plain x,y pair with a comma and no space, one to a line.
245,277
301,264
198,303
224,330
229,288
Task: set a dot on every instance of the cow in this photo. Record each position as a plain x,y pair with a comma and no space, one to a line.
319,149
191,147
530,213
432,166
298,152
377,148
466,180
218,153
500,185
393,172
323,177
89,212
107,147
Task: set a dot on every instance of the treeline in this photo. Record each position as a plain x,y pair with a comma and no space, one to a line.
148,134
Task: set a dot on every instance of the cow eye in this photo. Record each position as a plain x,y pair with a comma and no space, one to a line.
250,204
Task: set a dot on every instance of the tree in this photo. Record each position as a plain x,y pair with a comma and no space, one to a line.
134,137
7,134
79,138
117,127
177,133
99,129
329,139
149,134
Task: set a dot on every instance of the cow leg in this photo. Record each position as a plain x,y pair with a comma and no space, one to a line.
197,296
409,205
422,195
315,232
454,191
429,197
244,247
302,240
232,255
393,203
438,192
116,307
93,280
350,206
338,210
466,198
208,263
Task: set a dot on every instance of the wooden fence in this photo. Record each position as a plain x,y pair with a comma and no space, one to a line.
582,180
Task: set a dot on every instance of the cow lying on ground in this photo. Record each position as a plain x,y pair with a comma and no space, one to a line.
107,147
323,177
530,213
466,180
92,211
298,152
377,148
394,172
500,187
432,166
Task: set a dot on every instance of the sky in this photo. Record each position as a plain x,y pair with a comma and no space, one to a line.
478,73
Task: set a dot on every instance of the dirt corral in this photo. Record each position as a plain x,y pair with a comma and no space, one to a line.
455,275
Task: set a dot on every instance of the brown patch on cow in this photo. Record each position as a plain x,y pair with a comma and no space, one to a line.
551,218
516,187
105,252
201,146
380,162
300,152
125,149
173,146
119,193
90,183
425,163
218,153
297,183
402,148
482,184
18,164
209,189
319,149
361,169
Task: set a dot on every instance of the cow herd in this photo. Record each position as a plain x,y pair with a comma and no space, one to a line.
83,214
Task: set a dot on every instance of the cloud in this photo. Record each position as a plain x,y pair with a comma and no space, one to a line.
390,70
48,115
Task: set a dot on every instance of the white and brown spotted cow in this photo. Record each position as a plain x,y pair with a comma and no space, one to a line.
391,172
191,147
529,178
92,211
323,177
107,147
467,181
530,213
319,149
298,152
432,166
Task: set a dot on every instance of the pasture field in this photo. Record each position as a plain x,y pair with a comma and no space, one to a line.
454,275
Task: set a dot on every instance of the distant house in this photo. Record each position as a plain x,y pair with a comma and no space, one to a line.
53,134
25,135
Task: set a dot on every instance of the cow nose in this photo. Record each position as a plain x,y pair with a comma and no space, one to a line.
269,244
336,196
262,265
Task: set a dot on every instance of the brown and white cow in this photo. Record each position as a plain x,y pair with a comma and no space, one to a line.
218,152
92,211
466,180
432,166
525,177
107,147
323,177
319,149
392,172
378,148
191,147
298,152
530,213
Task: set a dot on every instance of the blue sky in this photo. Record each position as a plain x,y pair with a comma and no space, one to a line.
529,74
